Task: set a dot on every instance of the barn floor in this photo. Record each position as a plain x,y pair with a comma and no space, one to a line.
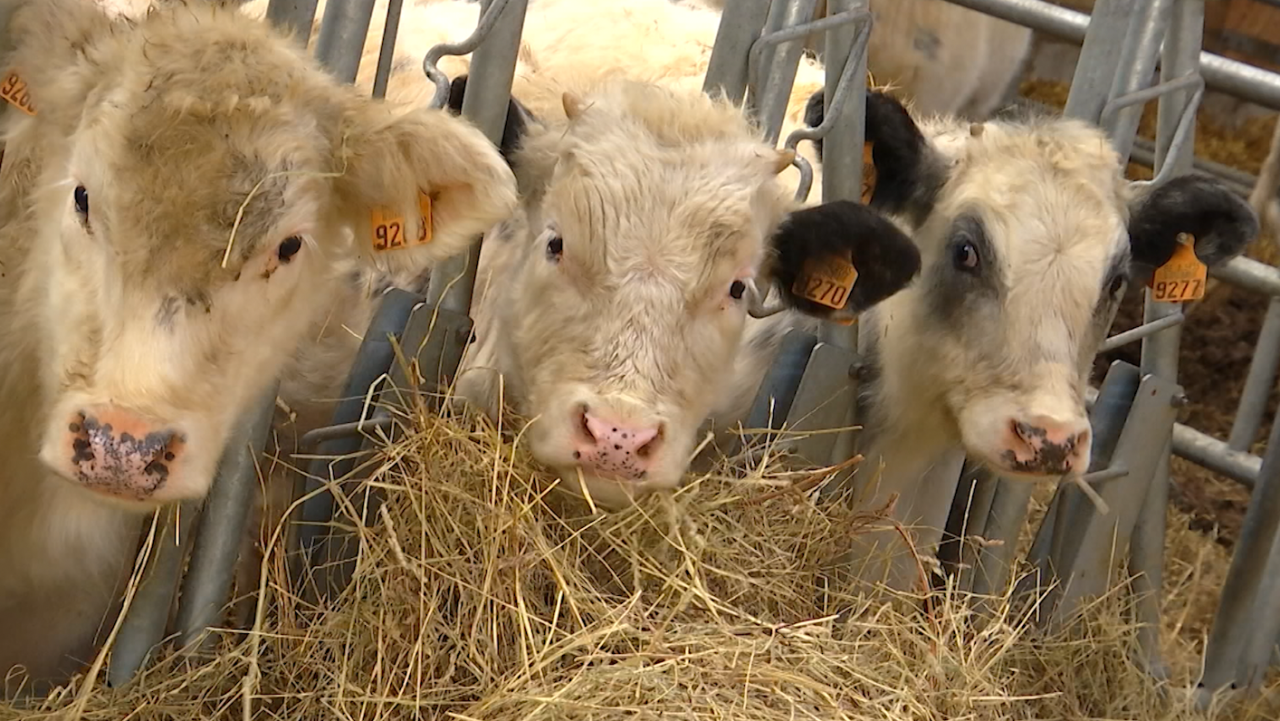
1217,339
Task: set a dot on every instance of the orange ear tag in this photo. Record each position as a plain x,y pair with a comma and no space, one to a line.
14,89
826,281
389,229
868,174
1181,279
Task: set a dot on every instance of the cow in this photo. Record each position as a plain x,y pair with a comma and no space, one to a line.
941,57
187,204
1027,229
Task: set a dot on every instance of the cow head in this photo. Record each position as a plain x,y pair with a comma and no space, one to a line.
651,218
1029,234
205,194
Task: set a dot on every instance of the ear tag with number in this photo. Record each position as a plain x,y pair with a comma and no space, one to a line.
389,229
15,90
1182,278
826,281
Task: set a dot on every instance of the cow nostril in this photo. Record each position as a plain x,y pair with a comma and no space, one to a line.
584,427
648,449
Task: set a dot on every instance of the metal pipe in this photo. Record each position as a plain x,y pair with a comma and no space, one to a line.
1233,77
740,25
295,16
772,66
1141,332
387,52
1257,387
222,525
1250,275
493,67
343,31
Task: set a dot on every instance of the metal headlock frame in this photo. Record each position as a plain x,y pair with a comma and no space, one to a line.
1132,413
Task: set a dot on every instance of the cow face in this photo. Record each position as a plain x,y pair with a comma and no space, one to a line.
1029,234
652,218
195,220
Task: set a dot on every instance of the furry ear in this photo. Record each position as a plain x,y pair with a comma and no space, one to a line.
815,247
908,173
518,118
392,160
1221,223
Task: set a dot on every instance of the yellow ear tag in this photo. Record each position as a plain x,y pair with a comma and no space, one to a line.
868,174
1182,278
826,281
14,89
389,229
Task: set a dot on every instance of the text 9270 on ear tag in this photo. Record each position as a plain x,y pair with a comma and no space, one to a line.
15,90
1182,278
826,281
389,229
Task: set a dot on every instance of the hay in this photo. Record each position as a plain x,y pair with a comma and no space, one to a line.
479,594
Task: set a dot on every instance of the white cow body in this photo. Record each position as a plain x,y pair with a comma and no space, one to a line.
176,234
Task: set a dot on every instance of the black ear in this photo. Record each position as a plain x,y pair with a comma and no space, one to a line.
518,117
1221,223
907,175
885,258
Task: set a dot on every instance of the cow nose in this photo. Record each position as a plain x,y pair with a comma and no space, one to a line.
118,453
1041,444
608,447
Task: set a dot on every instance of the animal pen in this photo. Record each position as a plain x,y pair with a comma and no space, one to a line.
754,59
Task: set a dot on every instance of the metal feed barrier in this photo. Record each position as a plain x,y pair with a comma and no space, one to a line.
754,59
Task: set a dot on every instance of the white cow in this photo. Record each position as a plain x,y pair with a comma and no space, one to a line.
602,317
946,58
186,215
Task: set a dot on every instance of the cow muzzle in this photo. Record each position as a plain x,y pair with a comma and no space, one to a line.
118,453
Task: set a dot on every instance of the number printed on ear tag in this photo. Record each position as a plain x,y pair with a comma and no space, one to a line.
1182,278
826,281
389,229
15,90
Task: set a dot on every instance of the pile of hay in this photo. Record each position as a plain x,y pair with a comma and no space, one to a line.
481,595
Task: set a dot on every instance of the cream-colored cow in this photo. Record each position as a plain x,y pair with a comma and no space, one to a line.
186,215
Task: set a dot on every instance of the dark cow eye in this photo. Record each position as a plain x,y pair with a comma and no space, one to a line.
82,202
1116,283
555,248
289,247
736,289
965,256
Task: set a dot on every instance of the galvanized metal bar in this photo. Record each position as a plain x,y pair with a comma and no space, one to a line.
296,16
143,626
1233,622
1180,59
985,485
493,67
1261,378
489,16
1136,64
1233,77
1004,522
1141,332
772,70
1262,650
387,52
1250,275
343,31
740,24
1094,80
222,525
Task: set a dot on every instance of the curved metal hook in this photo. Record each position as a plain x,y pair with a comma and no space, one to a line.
488,19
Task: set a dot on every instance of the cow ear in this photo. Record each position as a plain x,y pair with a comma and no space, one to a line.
519,118
396,166
908,170
1222,223
816,251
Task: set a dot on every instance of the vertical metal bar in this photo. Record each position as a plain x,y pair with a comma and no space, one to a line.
1180,57
222,526
1095,73
777,70
1137,62
1262,375
842,167
296,16
143,627
1246,576
740,25
493,67
343,32
387,53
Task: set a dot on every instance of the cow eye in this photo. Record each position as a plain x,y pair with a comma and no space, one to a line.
1116,283
289,247
965,255
555,248
82,202
736,289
